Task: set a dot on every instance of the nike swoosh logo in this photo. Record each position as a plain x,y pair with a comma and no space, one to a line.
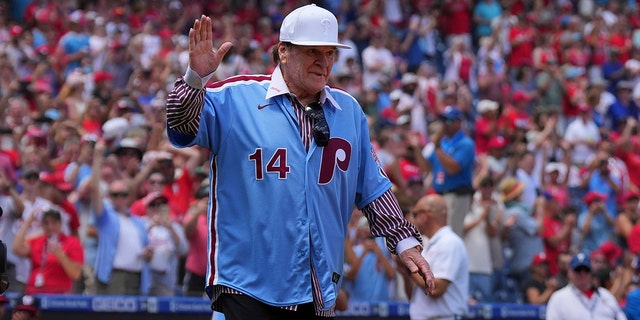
262,106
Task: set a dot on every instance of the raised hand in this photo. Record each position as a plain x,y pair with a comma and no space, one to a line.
203,59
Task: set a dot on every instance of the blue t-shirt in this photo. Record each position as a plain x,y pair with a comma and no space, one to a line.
600,184
462,149
487,11
599,233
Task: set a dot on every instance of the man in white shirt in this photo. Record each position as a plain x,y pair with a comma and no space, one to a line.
449,299
580,299
583,135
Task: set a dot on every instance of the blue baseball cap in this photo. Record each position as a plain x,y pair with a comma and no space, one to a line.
580,260
450,113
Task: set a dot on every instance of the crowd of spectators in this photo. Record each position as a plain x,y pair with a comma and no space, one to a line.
548,91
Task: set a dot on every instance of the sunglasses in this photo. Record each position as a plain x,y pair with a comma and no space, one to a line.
118,194
581,270
32,178
156,204
321,132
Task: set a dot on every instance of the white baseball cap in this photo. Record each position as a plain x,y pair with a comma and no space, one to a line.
487,105
311,25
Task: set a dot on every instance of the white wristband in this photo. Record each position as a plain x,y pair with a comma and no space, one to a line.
194,80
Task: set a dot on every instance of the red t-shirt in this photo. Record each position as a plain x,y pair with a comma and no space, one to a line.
457,17
197,256
180,194
551,228
70,209
521,52
55,278
632,161
483,135
570,109
623,44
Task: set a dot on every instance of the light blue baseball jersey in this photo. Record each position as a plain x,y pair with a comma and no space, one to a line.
277,208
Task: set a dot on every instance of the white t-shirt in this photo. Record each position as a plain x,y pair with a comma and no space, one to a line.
447,256
476,240
129,249
578,130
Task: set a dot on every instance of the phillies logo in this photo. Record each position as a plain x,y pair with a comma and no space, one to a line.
336,154
325,24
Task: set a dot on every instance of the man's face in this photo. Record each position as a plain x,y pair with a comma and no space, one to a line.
306,69
581,278
452,127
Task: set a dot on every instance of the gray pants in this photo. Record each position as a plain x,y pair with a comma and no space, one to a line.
121,283
457,208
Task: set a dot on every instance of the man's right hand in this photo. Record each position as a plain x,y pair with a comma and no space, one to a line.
203,59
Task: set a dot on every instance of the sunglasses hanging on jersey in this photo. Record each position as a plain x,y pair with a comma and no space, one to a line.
321,132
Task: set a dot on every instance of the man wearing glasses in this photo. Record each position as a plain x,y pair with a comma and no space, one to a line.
290,156
450,264
580,299
123,254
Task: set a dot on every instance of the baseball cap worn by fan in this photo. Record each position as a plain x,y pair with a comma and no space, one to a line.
311,25
593,196
580,260
450,113
486,105
27,303
630,195
497,142
611,252
539,258
57,180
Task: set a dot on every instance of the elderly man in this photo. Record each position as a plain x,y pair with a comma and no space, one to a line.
290,156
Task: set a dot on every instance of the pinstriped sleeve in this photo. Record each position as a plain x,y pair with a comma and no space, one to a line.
386,220
184,106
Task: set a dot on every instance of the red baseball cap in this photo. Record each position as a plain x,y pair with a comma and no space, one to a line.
57,180
611,251
26,302
15,31
100,76
497,142
593,196
629,195
519,96
539,258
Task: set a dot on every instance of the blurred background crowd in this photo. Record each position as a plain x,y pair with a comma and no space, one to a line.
548,90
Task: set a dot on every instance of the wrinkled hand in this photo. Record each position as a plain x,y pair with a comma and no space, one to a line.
203,59
419,268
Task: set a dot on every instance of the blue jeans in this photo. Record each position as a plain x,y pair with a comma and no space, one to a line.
480,287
